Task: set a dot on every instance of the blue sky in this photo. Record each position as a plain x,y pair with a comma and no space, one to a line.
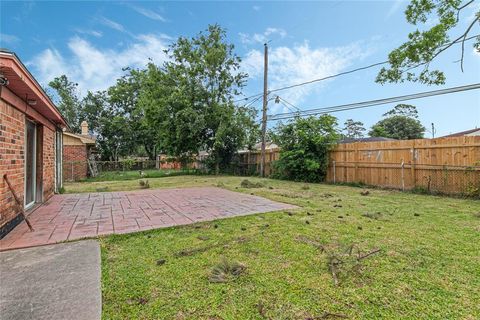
92,41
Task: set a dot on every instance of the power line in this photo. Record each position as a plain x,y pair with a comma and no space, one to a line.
287,106
370,103
246,98
336,75
252,102
289,103
316,80
329,77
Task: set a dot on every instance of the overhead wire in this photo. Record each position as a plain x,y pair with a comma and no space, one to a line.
335,75
370,103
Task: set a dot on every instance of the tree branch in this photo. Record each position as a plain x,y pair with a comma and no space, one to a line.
463,7
446,46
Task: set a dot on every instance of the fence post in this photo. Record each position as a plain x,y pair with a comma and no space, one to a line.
412,165
334,173
403,175
356,162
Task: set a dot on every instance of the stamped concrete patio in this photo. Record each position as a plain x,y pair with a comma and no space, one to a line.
76,216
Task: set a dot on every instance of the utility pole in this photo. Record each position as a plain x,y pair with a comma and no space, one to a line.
433,130
264,111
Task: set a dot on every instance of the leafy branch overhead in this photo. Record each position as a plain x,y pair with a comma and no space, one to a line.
411,61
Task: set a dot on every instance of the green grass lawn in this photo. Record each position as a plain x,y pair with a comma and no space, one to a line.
121,175
428,266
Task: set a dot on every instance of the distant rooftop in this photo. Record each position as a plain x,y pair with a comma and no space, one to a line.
471,132
368,139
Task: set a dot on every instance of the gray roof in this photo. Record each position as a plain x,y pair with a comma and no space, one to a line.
368,139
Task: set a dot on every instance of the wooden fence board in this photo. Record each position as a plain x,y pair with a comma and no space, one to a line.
450,165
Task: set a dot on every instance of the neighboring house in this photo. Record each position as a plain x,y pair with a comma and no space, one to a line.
467,133
30,142
76,152
269,147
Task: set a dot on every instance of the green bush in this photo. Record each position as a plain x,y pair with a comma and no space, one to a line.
305,144
127,164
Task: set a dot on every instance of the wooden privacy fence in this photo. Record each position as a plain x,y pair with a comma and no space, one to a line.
448,165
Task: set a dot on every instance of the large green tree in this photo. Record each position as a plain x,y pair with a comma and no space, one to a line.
123,97
399,123
305,144
451,26
189,100
67,100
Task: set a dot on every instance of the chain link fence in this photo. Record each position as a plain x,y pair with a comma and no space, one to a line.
422,178
82,170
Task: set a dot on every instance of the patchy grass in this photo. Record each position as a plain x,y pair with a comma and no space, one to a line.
394,255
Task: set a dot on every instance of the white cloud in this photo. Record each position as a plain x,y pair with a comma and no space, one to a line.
394,8
262,37
256,8
299,64
111,24
8,38
149,14
94,33
94,68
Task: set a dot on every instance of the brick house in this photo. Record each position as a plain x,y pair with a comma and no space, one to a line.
77,149
30,142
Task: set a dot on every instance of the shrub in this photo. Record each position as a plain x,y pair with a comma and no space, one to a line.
305,144
127,164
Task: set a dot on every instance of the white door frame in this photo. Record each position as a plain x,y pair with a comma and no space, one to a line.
34,191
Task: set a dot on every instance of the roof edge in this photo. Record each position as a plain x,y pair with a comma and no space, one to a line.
14,57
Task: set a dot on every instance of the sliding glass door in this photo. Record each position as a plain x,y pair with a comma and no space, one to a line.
30,163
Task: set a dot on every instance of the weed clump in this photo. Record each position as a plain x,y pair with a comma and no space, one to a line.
226,271
249,184
374,216
144,184
342,261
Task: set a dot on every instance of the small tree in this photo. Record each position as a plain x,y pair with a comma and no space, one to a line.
353,129
399,123
305,144
406,110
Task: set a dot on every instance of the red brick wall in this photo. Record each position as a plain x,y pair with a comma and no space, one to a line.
48,163
12,136
12,144
75,165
